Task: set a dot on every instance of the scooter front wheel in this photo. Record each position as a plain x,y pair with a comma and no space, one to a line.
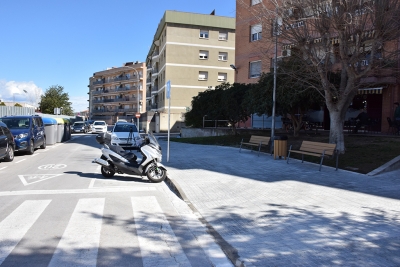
156,174
106,172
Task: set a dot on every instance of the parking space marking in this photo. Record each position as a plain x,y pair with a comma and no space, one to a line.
35,178
35,154
52,166
20,161
3,168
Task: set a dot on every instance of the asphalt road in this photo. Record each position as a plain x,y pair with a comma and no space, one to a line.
56,209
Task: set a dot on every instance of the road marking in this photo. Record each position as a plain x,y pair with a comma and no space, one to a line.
14,227
3,168
52,166
20,161
158,243
28,179
79,244
76,191
34,155
92,183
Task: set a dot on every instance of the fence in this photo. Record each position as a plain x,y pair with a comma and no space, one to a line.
15,111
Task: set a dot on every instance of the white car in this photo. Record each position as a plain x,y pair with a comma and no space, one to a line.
99,127
126,135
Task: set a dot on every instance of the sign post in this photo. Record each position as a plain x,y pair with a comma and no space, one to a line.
168,86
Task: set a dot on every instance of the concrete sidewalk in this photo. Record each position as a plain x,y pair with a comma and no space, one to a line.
265,212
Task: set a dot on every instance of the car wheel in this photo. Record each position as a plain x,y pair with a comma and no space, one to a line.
31,148
10,154
43,146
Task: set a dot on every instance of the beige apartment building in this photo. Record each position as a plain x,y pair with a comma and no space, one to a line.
192,51
118,93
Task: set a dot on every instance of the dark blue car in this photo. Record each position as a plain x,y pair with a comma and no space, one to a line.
28,132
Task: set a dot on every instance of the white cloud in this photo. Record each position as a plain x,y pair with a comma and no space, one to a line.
26,92
79,103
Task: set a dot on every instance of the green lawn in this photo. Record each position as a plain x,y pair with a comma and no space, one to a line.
364,153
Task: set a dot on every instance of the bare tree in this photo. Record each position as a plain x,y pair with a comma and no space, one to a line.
347,41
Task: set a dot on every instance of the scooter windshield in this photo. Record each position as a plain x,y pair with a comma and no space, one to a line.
152,139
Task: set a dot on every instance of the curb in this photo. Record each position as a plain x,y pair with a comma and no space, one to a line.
392,165
228,249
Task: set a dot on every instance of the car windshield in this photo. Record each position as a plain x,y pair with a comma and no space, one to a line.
78,124
16,123
99,123
125,128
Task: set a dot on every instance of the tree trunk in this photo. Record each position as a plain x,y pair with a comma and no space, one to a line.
336,135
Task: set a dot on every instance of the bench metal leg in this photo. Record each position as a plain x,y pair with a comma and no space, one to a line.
290,148
322,159
241,143
302,158
259,148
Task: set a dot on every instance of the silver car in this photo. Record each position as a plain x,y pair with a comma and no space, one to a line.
99,127
126,135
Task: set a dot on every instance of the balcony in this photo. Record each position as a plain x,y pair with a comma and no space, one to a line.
97,82
151,106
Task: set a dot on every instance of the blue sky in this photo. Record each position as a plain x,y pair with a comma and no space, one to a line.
63,42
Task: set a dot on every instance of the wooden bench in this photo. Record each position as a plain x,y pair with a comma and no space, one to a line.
316,149
256,141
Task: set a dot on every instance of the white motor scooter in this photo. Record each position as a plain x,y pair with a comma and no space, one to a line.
117,160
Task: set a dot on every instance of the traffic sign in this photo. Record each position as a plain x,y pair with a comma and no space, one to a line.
168,89
137,115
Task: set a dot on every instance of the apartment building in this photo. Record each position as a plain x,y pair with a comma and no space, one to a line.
194,53
118,93
255,50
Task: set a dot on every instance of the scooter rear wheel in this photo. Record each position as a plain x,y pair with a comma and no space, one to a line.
107,172
156,174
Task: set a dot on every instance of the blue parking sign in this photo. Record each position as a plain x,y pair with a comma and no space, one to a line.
168,89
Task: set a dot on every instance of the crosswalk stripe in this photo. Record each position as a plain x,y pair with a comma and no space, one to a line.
158,243
80,241
15,226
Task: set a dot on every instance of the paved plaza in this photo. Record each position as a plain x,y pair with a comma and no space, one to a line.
265,212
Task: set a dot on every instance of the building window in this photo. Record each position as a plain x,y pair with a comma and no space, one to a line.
256,32
223,36
222,56
255,2
222,77
203,54
203,34
203,75
255,69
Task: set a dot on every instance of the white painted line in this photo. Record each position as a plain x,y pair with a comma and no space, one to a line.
80,242
158,243
28,179
14,227
92,183
3,168
35,154
76,191
20,161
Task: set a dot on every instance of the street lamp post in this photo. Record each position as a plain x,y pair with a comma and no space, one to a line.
138,101
274,88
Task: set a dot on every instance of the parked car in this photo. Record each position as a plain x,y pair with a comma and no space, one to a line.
90,122
28,132
99,127
89,126
7,143
80,127
126,135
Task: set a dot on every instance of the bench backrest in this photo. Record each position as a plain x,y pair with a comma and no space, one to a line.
257,139
318,147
